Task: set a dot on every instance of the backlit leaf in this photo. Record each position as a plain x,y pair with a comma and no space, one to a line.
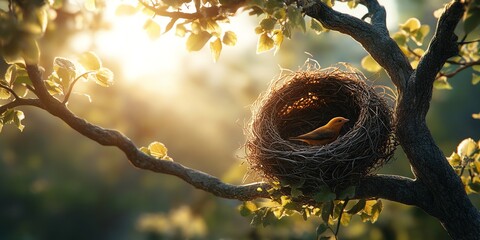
90,61
216,49
411,25
229,38
345,220
30,51
247,208
152,28
17,119
268,23
125,10
467,148
104,77
265,43
475,78
441,83
195,42
180,30
472,17
357,207
327,211
157,150
370,64
4,93
420,34
316,26
400,38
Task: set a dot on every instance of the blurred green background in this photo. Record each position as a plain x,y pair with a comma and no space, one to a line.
57,184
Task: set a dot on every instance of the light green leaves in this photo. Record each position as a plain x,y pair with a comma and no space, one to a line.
265,43
125,10
247,208
466,163
369,64
152,29
216,49
195,42
90,61
229,38
15,79
411,25
12,116
442,83
471,18
157,150
104,77
467,148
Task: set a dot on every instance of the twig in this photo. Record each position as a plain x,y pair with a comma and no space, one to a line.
70,88
459,69
10,91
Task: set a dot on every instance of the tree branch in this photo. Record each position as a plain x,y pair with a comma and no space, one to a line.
21,102
373,37
108,137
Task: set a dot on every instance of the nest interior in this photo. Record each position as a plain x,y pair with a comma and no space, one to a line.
306,100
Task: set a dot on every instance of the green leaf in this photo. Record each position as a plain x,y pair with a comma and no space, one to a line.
104,77
247,208
4,93
265,43
357,207
295,17
411,25
157,150
316,26
90,61
211,26
475,79
268,24
17,119
352,4
441,83
345,220
180,30
152,28
471,18
30,51
420,34
347,193
400,38
376,210
324,195
125,10
370,64
216,49
321,229
64,71
467,148
195,42
229,38
327,211
145,150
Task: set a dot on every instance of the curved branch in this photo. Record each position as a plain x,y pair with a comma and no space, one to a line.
10,91
21,102
373,37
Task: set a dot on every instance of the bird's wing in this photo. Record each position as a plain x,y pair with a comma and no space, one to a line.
318,135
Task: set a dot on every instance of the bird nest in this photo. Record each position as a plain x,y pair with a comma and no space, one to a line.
305,100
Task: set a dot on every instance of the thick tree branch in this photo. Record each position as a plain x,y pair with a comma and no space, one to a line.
139,159
21,102
373,37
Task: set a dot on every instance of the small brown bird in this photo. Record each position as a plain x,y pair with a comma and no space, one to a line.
324,134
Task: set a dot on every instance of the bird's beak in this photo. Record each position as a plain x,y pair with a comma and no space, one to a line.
347,120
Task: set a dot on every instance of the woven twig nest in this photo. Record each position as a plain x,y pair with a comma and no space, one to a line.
305,100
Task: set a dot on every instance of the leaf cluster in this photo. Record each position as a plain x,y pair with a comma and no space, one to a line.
332,208
466,163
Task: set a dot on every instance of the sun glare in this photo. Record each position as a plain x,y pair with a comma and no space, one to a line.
360,11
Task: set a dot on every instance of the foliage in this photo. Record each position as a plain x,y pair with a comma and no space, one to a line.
466,162
332,208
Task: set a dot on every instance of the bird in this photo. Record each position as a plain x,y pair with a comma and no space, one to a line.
324,134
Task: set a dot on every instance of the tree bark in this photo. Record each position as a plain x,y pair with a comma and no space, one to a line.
445,197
